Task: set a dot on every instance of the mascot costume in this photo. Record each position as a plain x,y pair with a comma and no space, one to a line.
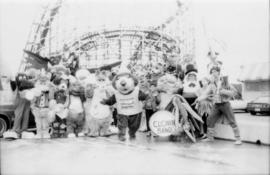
22,106
100,115
127,98
75,119
40,104
191,84
168,100
59,107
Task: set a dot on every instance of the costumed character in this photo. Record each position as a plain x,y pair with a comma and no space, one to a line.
76,118
40,104
59,71
127,97
100,115
168,100
59,108
191,84
22,106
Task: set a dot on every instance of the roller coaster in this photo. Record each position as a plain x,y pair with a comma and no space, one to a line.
171,42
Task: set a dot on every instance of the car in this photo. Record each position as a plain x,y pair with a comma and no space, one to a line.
261,105
7,107
239,105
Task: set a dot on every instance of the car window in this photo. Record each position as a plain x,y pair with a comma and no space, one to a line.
265,99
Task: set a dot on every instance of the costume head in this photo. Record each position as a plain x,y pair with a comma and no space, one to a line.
23,83
61,83
191,83
191,73
168,84
102,79
43,77
84,76
124,82
75,86
32,74
59,71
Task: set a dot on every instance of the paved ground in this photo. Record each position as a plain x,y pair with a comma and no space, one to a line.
142,156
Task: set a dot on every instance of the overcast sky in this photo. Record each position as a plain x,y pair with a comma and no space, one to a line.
241,25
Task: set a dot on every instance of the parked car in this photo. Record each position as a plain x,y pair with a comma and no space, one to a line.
239,105
7,107
260,105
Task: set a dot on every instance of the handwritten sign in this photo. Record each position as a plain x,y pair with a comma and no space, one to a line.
162,123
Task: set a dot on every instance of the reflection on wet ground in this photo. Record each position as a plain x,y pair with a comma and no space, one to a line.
141,156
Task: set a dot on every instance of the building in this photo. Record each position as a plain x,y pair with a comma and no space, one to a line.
256,80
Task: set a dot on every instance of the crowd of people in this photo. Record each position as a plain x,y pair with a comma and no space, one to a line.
71,102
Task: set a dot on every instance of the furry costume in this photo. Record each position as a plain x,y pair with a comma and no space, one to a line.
59,108
128,99
168,100
76,118
22,106
40,104
100,115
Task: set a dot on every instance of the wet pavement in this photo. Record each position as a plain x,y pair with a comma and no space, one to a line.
144,155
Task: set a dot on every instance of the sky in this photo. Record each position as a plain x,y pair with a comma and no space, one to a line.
242,26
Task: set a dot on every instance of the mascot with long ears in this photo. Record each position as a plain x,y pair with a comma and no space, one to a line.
127,97
168,100
100,115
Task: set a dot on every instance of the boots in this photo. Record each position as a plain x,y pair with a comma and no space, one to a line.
210,135
237,136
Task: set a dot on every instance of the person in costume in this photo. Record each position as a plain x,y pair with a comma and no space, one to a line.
127,98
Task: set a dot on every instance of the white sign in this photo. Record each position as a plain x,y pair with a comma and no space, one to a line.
162,123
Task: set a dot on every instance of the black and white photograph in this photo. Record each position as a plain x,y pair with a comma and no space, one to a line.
134,87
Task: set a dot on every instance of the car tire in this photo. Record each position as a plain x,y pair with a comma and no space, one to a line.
3,126
252,113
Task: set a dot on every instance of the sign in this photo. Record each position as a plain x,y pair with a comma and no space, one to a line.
162,123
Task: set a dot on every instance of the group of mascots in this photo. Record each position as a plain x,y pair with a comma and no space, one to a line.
72,106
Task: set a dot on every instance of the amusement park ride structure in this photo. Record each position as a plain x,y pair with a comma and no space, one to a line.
171,42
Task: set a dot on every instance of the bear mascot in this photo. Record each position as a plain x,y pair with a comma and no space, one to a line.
127,97
76,116
169,100
59,107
